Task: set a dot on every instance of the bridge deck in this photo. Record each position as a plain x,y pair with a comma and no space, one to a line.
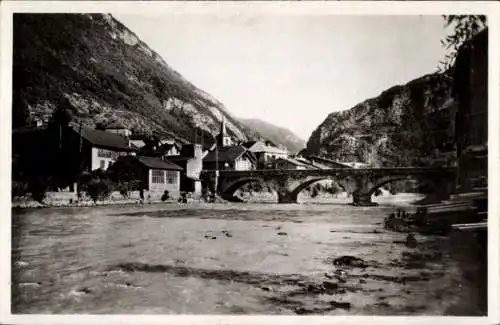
330,171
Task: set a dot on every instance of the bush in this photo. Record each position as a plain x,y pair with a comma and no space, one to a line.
165,196
333,189
38,188
99,189
19,188
124,187
96,184
314,191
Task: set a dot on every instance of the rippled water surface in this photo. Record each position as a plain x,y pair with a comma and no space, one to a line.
227,258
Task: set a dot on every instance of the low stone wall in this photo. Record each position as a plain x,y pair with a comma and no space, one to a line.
56,199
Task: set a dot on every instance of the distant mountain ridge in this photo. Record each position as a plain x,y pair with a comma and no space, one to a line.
100,70
276,134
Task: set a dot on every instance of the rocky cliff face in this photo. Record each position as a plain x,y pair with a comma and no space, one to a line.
407,125
102,72
276,134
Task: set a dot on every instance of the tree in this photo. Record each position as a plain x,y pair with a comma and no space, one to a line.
38,187
151,145
126,173
463,28
20,110
62,115
96,184
302,153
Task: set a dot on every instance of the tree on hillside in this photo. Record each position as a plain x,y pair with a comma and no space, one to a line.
463,28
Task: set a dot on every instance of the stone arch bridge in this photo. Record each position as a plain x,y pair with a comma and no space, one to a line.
361,182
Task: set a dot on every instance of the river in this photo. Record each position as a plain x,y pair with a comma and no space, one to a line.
230,259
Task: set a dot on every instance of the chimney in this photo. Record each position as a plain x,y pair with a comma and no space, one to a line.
198,151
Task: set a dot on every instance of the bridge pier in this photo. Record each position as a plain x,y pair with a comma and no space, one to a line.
362,199
287,198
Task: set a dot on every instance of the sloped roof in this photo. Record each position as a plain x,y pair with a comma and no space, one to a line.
29,129
138,143
227,154
167,147
116,125
178,158
313,163
157,163
259,146
354,164
104,139
296,162
248,144
329,161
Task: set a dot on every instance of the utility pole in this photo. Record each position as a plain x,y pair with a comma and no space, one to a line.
216,166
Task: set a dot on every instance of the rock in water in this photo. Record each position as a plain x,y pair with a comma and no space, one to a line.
349,261
411,242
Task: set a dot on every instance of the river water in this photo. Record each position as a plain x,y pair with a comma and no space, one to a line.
230,259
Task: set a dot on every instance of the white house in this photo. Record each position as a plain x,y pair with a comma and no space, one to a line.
264,153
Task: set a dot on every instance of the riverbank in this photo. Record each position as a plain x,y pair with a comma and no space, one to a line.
28,203
229,259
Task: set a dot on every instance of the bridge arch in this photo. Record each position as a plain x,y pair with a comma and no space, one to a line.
228,190
389,179
299,188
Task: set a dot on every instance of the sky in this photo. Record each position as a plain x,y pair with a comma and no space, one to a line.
294,70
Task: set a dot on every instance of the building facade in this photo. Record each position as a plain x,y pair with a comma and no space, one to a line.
265,154
190,160
471,123
118,128
161,176
230,158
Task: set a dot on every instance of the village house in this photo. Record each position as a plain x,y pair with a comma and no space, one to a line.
265,153
118,128
190,159
161,176
226,156
230,158
100,148
90,148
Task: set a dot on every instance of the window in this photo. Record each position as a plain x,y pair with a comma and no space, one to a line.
104,153
158,176
171,176
102,164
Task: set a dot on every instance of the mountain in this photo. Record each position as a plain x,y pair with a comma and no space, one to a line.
102,72
276,134
406,125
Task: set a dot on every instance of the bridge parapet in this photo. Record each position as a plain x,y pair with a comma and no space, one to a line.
338,171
